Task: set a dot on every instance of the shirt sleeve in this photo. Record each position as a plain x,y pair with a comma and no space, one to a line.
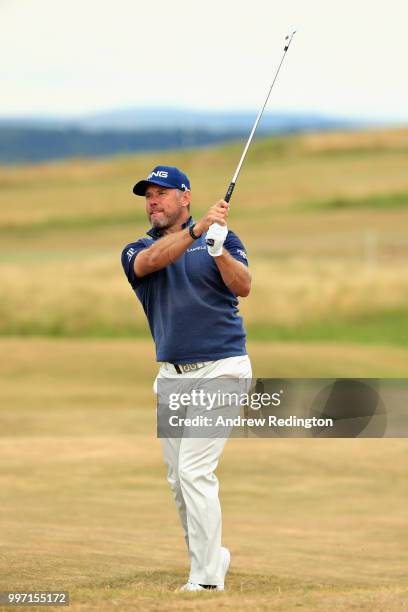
128,258
235,248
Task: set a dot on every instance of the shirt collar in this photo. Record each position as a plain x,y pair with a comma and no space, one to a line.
156,233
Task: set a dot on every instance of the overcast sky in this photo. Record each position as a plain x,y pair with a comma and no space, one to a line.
349,57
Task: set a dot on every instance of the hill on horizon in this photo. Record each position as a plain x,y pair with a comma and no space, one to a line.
36,139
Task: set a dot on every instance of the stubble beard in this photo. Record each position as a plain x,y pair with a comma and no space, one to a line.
167,222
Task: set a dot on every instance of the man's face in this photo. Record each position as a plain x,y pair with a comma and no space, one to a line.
164,206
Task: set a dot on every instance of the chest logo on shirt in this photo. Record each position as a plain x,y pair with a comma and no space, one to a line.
198,248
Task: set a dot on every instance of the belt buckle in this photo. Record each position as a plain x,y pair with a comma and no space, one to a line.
190,367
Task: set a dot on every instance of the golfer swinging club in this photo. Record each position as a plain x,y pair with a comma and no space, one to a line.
187,278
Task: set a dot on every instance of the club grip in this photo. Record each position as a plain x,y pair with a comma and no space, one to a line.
229,192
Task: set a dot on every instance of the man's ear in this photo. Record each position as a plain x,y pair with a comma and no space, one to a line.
186,198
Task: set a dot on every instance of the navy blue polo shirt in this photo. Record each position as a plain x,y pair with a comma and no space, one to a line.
192,314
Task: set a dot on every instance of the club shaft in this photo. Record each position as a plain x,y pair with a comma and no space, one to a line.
241,161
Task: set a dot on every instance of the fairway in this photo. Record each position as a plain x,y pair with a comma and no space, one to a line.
311,524
86,508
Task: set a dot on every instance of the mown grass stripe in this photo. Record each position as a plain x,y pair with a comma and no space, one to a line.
390,200
389,328
75,223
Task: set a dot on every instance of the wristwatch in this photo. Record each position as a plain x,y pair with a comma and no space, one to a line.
191,232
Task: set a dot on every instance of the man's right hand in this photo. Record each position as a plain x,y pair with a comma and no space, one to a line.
218,213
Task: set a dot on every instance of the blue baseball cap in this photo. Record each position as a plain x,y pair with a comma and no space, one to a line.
166,176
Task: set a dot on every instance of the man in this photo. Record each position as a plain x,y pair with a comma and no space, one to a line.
189,291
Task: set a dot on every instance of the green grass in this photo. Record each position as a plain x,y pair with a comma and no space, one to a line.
79,223
86,222
380,328
391,200
388,328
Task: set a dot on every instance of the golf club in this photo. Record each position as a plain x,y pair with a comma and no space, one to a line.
288,40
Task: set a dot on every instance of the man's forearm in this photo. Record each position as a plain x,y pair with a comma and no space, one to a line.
234,273
162,253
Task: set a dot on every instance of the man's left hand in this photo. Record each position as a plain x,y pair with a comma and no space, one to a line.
215,238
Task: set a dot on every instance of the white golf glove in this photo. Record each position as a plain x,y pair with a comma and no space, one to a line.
215,238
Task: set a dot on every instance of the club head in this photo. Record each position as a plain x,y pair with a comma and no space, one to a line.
288,40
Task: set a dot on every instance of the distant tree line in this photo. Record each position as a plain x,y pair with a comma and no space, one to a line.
19,145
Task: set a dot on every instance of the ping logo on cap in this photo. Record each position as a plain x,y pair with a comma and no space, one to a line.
166,176
159,173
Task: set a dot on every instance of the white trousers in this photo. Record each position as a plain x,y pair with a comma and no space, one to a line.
191,464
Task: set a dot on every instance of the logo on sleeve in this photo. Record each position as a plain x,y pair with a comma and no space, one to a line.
242,253
130,253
